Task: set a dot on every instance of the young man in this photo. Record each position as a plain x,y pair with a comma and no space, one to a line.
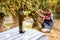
48,21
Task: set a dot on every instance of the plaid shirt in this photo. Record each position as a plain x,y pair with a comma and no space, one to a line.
48,16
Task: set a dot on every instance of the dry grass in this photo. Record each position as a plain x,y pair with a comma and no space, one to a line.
55,32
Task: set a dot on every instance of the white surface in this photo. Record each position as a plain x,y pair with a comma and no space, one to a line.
13,34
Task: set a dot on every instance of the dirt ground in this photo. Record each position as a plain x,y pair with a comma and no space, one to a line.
55,33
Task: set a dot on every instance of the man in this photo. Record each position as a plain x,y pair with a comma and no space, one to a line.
21,18
48,21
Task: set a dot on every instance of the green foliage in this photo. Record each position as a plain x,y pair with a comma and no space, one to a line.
9,7
58,10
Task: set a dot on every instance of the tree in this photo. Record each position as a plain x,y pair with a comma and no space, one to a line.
58,9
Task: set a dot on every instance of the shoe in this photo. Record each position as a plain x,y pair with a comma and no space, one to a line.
21,31
45,30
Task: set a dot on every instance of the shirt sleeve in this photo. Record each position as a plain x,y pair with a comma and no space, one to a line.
51,16
47,17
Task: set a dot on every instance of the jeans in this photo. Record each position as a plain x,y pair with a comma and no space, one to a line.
48,24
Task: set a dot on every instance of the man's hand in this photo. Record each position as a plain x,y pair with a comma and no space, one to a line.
42,16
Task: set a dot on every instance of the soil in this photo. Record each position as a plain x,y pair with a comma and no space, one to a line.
55,32
53,35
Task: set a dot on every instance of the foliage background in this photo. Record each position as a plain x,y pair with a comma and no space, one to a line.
10,7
